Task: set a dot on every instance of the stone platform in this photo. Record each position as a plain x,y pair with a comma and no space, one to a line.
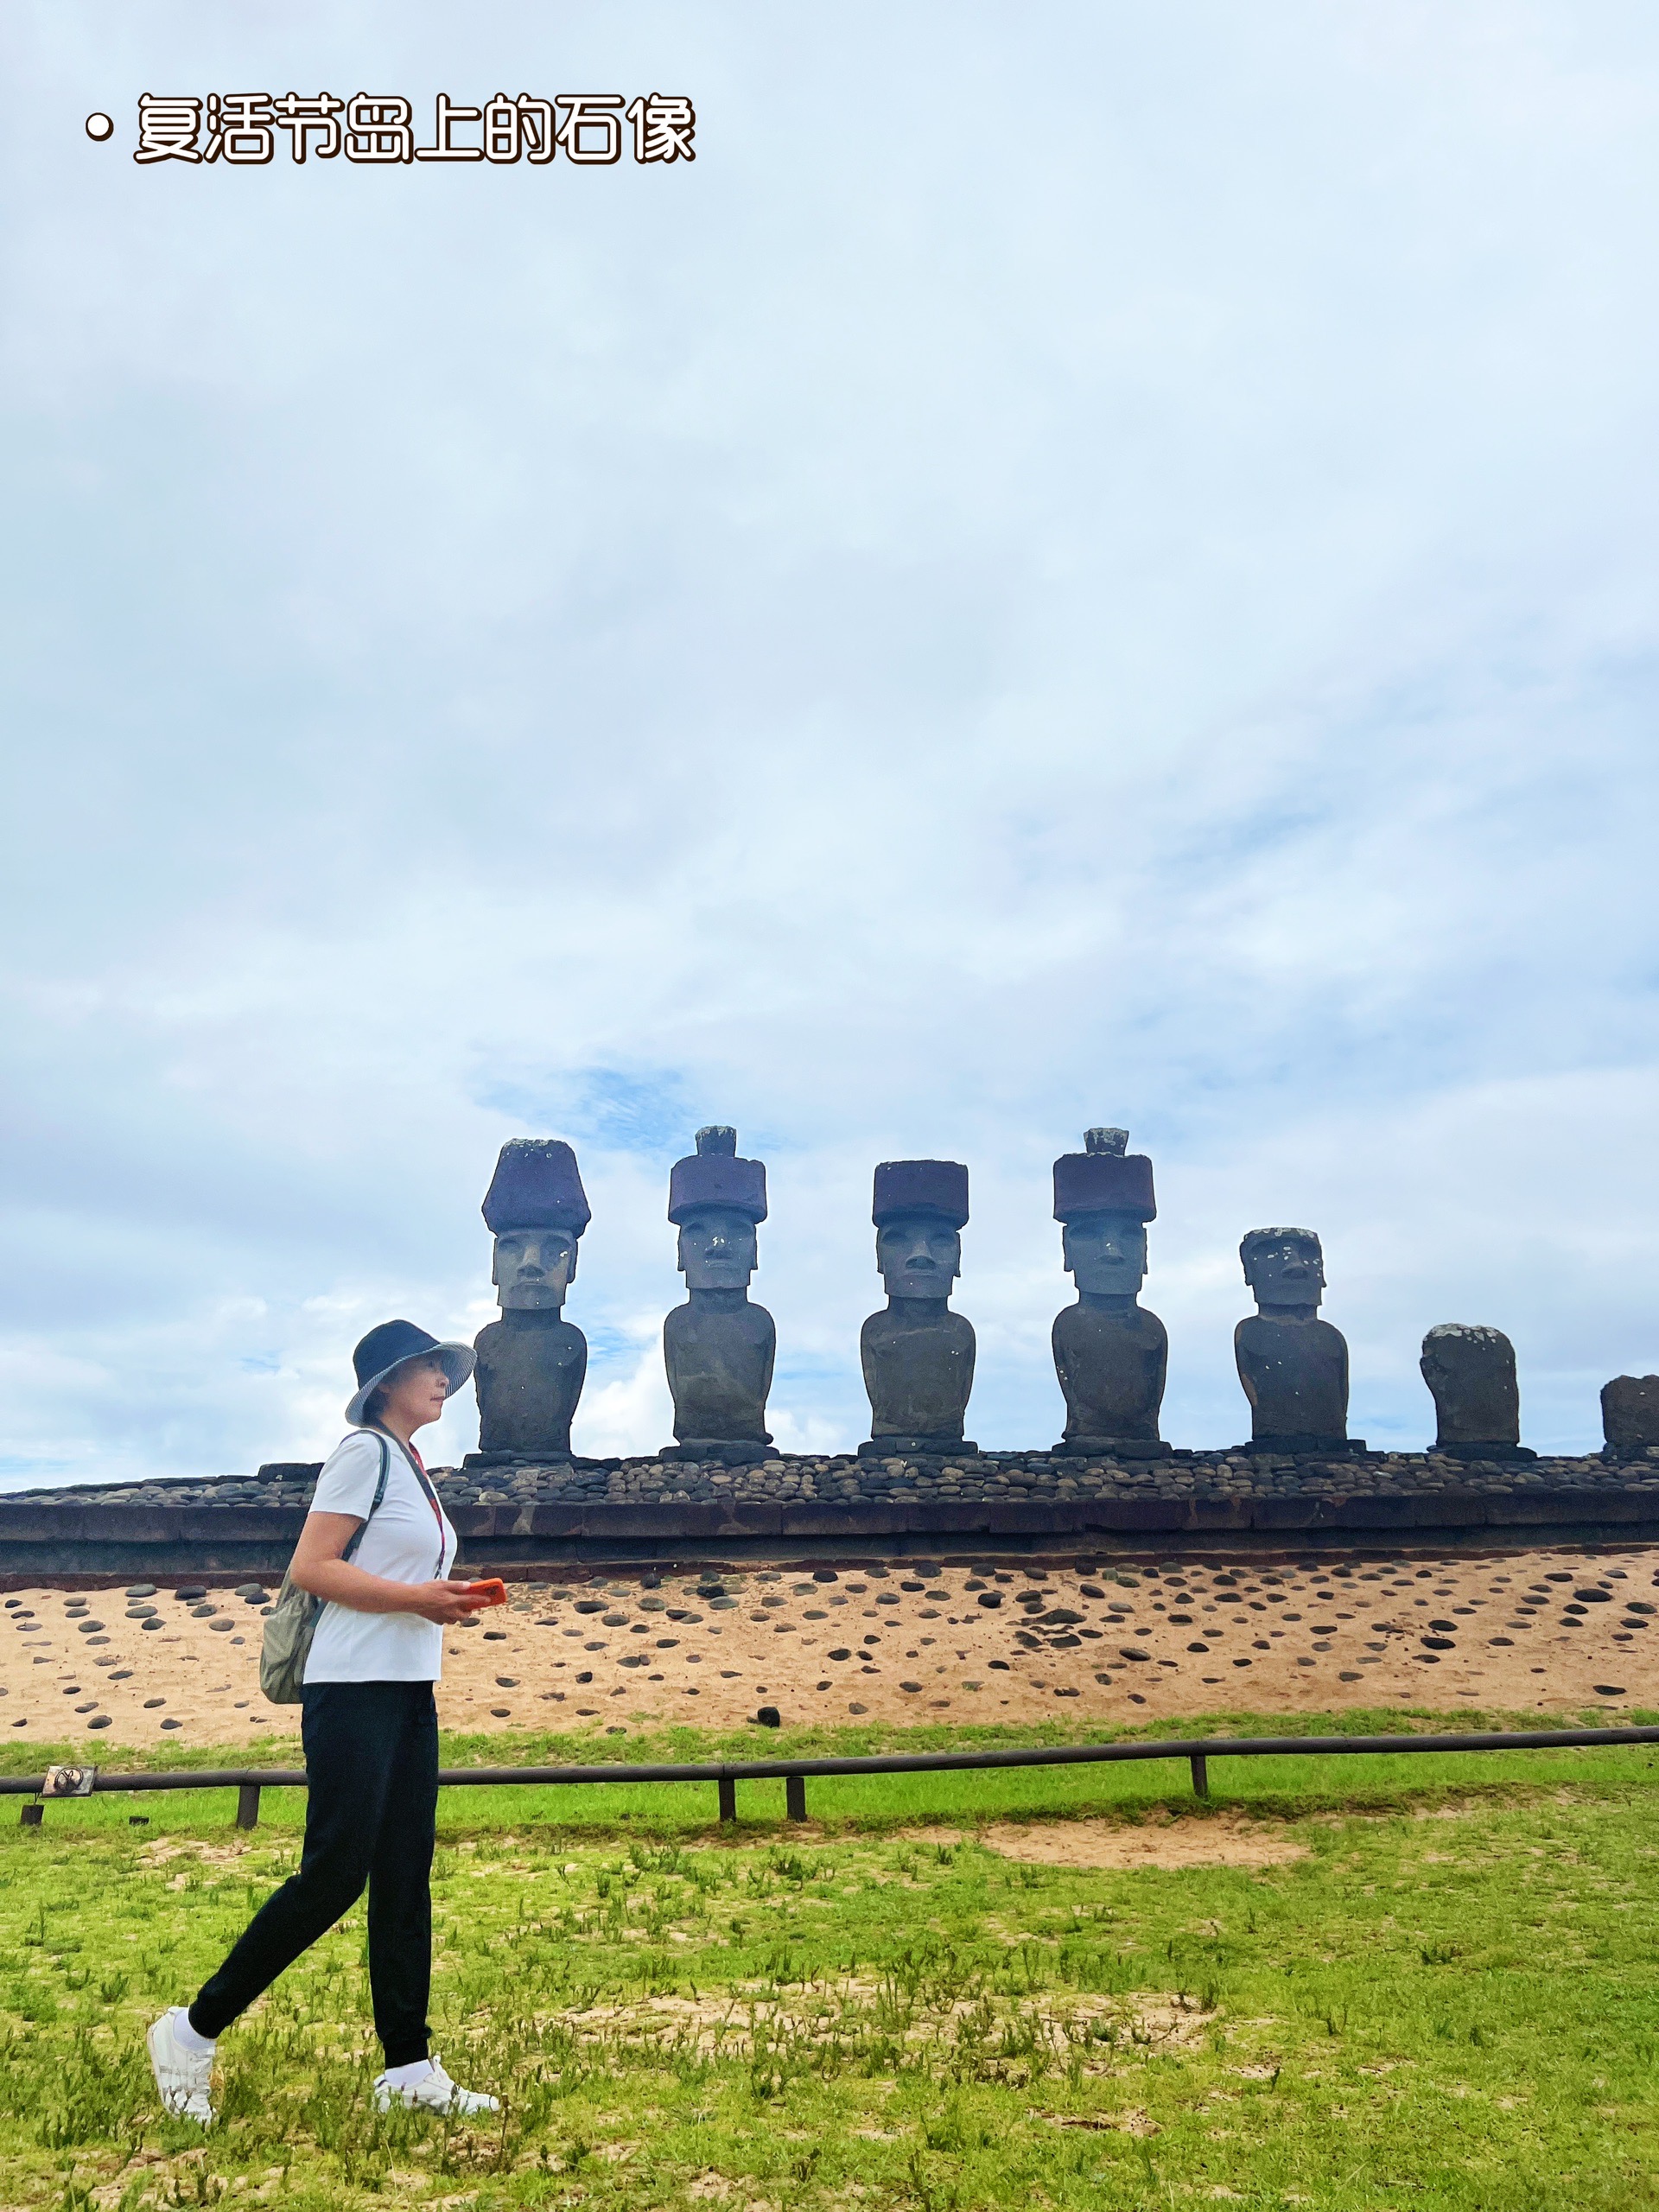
825,1507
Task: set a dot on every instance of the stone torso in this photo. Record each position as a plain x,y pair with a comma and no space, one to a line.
1295,1376
719,1349
919,1368
531,1371
1111,1356
1470,1375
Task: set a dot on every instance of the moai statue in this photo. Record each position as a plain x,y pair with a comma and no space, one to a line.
1109,1353
531,1362
1470,1375
718,1348
1630,1415
1292,1365
919,1355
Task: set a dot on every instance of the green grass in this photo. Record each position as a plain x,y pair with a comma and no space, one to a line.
1449,2001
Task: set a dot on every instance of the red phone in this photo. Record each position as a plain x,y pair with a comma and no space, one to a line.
493,1592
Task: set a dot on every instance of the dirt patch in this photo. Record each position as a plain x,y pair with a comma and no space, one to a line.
1220,1841
1131,2121
848,2012
210,1854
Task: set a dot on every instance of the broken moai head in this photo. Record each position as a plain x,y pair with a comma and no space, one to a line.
717,1200
1103,1197
1630,1413
1471,1374
918,1209
537,1210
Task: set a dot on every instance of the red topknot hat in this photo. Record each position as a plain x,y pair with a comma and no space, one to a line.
1104,1178
713,1176
935,1186
536,1185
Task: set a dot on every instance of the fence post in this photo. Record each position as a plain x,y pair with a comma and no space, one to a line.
247,1805
1200,1767
728,1789
794,1797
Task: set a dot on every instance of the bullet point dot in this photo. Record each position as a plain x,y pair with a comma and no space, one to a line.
100,127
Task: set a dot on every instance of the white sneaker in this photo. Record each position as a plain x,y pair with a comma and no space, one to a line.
185,2078
436,2092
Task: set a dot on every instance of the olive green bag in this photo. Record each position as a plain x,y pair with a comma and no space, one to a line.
292,1621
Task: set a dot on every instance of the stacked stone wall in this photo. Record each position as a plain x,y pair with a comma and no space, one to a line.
646,1506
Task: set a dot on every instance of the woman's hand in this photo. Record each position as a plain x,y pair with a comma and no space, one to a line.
446,1603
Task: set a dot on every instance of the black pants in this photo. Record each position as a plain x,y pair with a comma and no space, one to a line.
371,1765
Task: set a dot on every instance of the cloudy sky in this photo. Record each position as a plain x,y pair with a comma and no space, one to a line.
1089,563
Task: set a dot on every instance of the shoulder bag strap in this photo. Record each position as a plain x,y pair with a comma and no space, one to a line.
357,1534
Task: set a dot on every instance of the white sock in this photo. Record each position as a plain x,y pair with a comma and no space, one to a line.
186,2037
405,2077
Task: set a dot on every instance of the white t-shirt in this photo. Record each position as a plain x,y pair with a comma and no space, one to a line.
406,1541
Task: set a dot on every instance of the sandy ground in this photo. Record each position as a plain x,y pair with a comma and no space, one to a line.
1222,1839
1520,1631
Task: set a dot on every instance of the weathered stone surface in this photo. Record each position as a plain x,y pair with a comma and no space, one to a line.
918,1357
925,1517
551,1520
1035,1516
719,1348
531,1366
1110,1356
1630,1412
1130,1513
236,1524
1470,1375
472,1520
1219,1513
1292,1512
531,1362
845,1520
1294,1367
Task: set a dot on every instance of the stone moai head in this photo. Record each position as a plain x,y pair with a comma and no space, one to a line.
537,1209
716,1200
918,1210
1285,1268
1103,1197
1470,1375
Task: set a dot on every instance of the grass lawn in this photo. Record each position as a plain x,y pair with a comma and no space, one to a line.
1438,1990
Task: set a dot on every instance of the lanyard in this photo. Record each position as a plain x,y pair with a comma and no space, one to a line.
432,1495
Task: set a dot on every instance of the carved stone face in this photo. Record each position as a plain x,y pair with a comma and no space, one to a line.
533,1267
918,1255
1287,1272
1106,1253
719,1249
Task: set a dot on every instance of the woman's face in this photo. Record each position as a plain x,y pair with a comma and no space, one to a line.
416,1394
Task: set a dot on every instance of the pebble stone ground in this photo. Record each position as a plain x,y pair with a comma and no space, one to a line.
1520,1630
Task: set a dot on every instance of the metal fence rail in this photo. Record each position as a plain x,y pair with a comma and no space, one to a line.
1198,1751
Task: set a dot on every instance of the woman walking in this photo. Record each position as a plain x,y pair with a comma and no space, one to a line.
370,1730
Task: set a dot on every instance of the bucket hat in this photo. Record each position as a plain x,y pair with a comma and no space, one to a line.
392,1345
